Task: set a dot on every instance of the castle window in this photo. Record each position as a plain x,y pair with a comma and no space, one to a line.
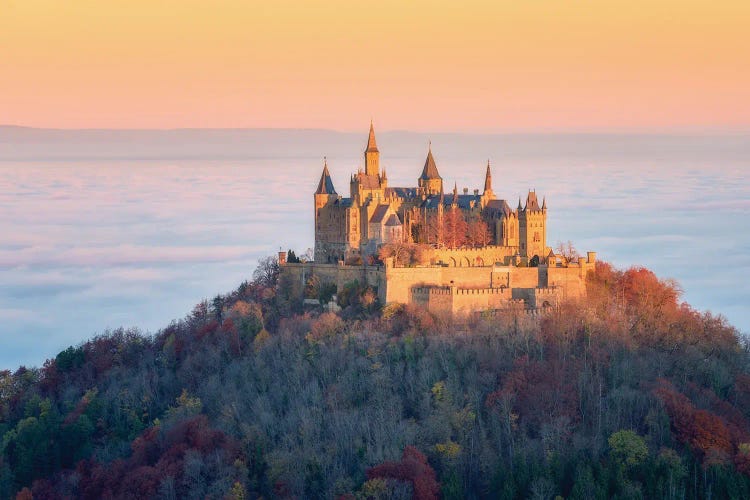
536,237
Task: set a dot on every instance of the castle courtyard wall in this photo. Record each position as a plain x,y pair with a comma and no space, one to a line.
470,257
458,289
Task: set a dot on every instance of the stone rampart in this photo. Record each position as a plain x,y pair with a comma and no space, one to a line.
474,257
458,289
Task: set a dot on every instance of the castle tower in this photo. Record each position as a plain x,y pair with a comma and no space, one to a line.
372,155
324,195
532,225
430,181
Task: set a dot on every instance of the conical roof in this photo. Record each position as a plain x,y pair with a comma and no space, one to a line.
430,170
372,146
325,186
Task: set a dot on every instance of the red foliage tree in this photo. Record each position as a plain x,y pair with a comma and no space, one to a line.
540,390
705,431
454,228
156,455
412,468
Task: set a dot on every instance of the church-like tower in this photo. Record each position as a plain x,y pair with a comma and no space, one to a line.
532,222
372,155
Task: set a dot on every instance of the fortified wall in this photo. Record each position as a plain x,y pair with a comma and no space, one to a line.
459,290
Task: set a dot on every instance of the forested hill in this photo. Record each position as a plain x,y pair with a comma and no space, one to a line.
634,395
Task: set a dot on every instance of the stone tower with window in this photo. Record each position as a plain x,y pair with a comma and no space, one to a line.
532,227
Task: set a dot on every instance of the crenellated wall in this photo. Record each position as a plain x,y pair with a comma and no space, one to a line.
458,289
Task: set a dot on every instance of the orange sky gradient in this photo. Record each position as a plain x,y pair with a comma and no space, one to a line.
519,65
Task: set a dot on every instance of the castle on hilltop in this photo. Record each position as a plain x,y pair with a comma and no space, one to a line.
481,254
375,214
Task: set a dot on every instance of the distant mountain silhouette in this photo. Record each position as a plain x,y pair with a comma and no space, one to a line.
27,143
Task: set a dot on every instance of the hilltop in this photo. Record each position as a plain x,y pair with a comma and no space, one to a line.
634,394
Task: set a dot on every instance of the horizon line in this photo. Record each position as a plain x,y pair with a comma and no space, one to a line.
686,130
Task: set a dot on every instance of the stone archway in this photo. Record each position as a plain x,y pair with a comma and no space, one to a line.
452,262
465,262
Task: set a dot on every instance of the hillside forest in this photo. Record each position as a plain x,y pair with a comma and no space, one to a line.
630,394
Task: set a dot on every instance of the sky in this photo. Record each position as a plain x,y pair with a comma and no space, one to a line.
494,66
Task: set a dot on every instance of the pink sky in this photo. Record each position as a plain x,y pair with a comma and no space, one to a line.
460,66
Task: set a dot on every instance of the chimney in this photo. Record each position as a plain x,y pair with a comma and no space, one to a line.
282,258
476,192
466,190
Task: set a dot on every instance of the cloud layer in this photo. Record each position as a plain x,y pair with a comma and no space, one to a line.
89,245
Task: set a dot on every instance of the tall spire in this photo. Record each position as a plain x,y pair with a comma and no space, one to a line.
325,186
372,155
488,179
372,146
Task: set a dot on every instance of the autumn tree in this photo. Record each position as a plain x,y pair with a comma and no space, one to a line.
413,468
478,234
455,228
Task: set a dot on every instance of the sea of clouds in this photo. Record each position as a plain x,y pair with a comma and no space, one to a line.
98,232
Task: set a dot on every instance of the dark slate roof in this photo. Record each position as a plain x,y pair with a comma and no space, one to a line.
325,186
430,170
401,192
393,220
467,201
379,213
344,202
499,206
432,201
368,181
464,201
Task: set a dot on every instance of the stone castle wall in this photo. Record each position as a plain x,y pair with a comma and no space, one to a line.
458,289
472,257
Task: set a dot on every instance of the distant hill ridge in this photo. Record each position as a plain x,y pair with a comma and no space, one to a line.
19,143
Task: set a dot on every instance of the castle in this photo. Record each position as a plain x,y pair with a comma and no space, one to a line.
483,255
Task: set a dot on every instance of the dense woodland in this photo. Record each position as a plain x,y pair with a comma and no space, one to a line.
632,395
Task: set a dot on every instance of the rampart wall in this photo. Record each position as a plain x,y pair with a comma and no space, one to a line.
458,289
472,257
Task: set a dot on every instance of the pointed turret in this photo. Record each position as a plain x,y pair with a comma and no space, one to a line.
455,193
372,146
372,155
544,203
430,170
325,186
520,207
430,181
488,179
